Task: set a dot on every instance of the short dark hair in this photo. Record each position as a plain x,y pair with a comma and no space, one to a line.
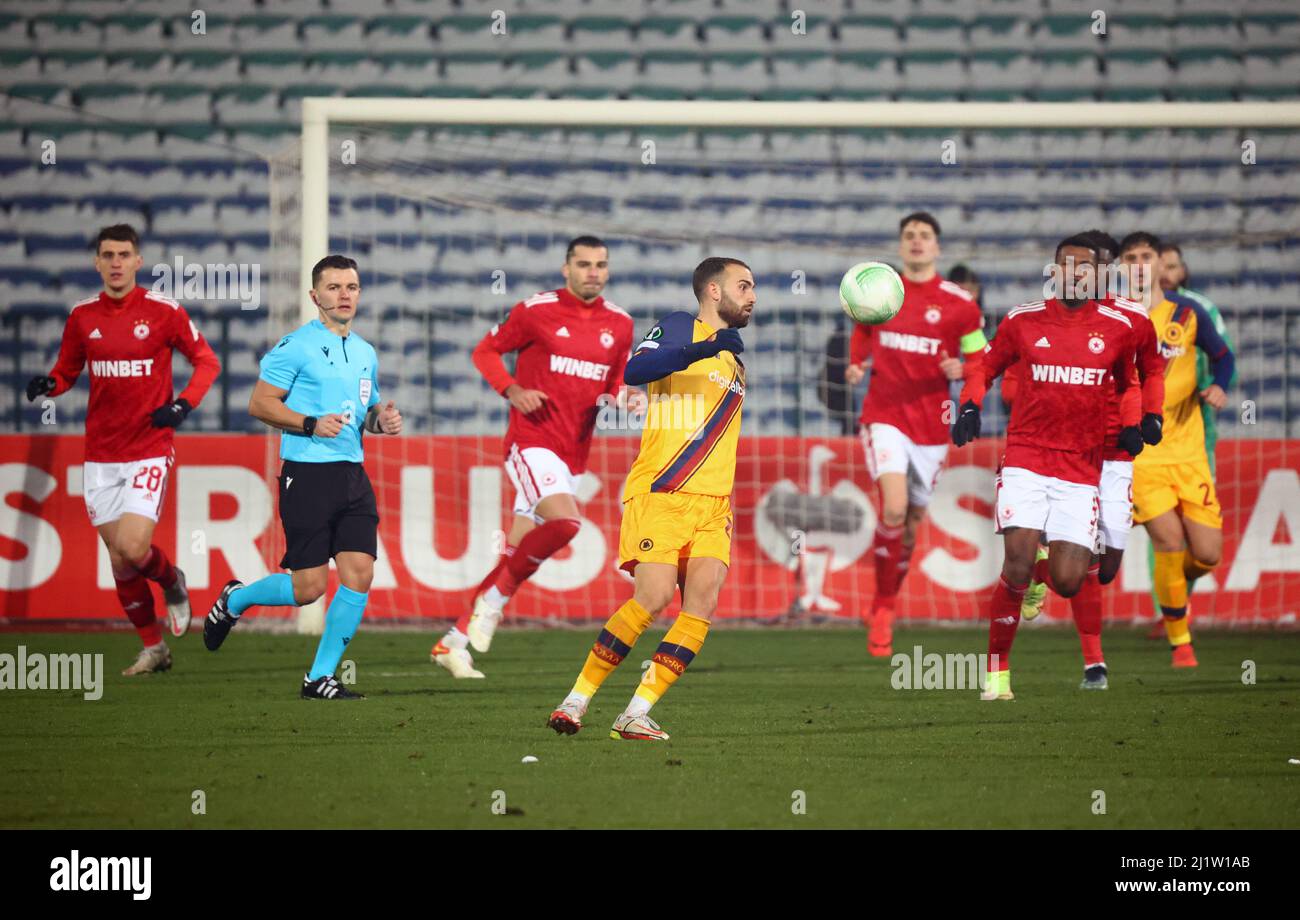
709,270
118,233
585,240
924,217
1104,244
1139,238
334,261
961,273
1082,240
1170,247
1187,272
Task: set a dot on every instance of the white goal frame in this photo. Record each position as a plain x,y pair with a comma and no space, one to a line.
318,113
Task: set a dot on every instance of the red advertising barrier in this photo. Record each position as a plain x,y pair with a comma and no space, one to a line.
443,501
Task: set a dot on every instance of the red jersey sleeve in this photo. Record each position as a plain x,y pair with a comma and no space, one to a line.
72,356
1001,353
512,335
186,338
860,344
1130,403
1010,384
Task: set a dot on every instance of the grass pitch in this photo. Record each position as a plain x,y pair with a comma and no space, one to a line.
760,722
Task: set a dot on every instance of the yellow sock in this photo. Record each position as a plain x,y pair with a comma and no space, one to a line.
1171,593
678,650
1193,568
612,645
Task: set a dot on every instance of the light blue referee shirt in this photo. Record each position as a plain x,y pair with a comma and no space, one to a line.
325,374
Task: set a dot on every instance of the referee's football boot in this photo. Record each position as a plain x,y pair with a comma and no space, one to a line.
327,688
219,622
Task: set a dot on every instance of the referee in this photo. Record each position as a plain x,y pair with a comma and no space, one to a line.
320,387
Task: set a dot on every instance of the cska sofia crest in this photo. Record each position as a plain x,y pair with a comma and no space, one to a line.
141,330
933,315
606,338
1096,344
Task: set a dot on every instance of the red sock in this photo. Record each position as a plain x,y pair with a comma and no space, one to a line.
887,549
1086,607
136,597
904,563
463,622
157,567
538,545
1004,617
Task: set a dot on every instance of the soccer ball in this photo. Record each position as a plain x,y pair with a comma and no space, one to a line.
871,292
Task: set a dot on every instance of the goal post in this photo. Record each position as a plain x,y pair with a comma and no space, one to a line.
303,178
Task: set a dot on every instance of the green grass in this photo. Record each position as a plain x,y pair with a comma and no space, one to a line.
757,717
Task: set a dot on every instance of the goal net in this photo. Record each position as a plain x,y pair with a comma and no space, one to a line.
456,210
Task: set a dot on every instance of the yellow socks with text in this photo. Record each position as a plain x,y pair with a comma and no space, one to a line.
674,654
1171,594
611,647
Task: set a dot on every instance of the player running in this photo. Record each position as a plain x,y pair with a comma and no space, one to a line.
573,345
127,334
677,517
1075,352
1115,489
320,387
904,428
1173,486
1175,276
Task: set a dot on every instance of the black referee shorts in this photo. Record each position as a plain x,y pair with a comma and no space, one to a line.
326,509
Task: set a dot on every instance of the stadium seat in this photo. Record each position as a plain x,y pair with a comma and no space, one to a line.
665,33
470,33
858,33
1008,34
601,34
1206,30
934,33
1130,70
333,33
66,31
867,71
939,70
742,72
132,31
1138,33
266,32
615,70
388,34
1002,69
734,33
1066,32
537,33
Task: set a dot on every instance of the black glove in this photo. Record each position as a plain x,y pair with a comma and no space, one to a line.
39,386
172,414
967,426
1130,440
1152,428
723,340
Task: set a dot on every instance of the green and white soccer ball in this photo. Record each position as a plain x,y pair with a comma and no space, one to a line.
871,292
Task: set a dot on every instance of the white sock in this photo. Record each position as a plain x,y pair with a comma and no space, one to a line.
579,700
494,597
455,639
638,707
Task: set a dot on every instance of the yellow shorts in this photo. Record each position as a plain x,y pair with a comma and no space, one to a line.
671,527
1187,487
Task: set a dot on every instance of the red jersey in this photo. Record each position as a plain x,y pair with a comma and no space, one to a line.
907,388
571,350
1125,402
1072,362
128,344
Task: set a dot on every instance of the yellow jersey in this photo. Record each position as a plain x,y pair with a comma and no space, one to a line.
692,424
1182,326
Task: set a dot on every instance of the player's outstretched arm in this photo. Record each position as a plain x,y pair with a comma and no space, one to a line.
1223,363
667,349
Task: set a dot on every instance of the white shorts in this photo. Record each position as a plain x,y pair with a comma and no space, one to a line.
888,450
536,473
1060,509
134,487
1116,494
